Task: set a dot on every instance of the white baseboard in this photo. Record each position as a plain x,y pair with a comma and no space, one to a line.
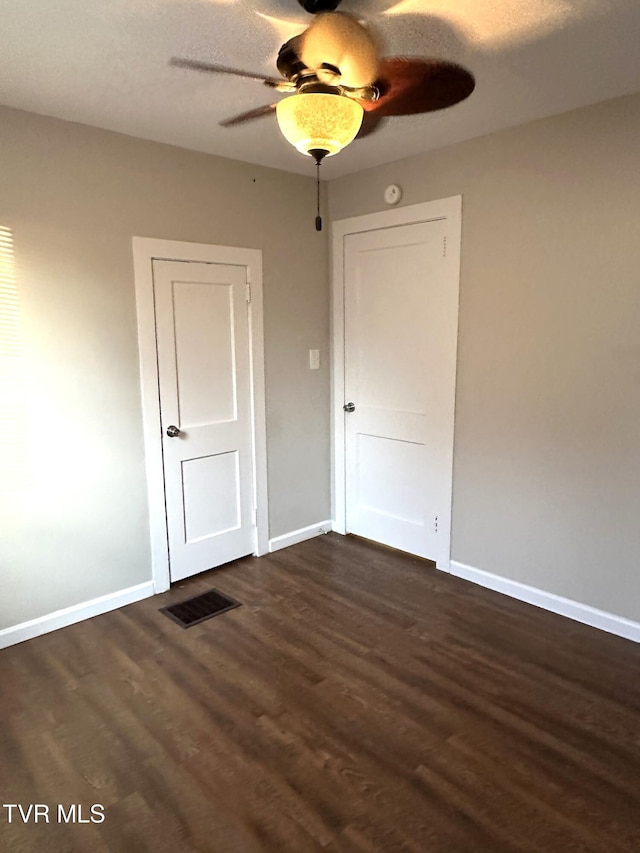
62,618
548,601
300,535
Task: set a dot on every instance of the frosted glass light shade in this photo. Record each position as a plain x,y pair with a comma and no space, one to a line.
316,120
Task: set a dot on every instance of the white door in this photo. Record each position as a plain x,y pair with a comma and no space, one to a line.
401,318
205,408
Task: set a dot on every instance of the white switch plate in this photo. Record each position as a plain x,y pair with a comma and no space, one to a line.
314,359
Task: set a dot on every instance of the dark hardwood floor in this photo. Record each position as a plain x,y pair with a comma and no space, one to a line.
358,701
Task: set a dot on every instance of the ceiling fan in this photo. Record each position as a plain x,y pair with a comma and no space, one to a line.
339,89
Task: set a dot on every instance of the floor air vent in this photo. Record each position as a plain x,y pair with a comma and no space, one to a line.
200,607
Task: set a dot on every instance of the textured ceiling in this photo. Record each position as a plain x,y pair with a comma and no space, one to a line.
106,64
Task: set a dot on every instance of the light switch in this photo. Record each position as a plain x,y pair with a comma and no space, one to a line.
314,359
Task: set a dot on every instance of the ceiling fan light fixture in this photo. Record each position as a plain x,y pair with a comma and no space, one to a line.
314,121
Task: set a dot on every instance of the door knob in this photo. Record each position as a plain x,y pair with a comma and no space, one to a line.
349,407
173,431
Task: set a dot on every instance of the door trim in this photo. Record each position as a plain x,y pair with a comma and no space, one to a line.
145,251
447,208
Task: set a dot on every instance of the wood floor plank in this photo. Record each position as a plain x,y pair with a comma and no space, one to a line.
358,701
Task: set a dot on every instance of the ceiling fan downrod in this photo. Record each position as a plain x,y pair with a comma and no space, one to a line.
315,7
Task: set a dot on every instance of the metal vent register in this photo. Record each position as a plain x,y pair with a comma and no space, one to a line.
200,607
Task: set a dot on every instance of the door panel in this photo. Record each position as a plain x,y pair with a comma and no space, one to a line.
204,383
217,477
387,378
400,349
396,465
203,317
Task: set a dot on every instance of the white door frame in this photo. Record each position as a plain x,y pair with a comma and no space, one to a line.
447,208
145,251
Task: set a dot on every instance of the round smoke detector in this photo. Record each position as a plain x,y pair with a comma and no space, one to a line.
392,194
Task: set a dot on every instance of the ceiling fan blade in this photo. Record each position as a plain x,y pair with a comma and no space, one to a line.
409,85
370,123
241,118
209,68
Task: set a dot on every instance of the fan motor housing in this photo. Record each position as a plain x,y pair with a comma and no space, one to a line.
288,61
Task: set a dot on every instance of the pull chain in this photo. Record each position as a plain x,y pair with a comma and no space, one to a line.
318,217
318,155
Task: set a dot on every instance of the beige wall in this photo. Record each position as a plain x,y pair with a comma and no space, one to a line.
547,441
74,196
547,453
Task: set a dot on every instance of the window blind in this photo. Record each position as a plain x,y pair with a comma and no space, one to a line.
13,438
